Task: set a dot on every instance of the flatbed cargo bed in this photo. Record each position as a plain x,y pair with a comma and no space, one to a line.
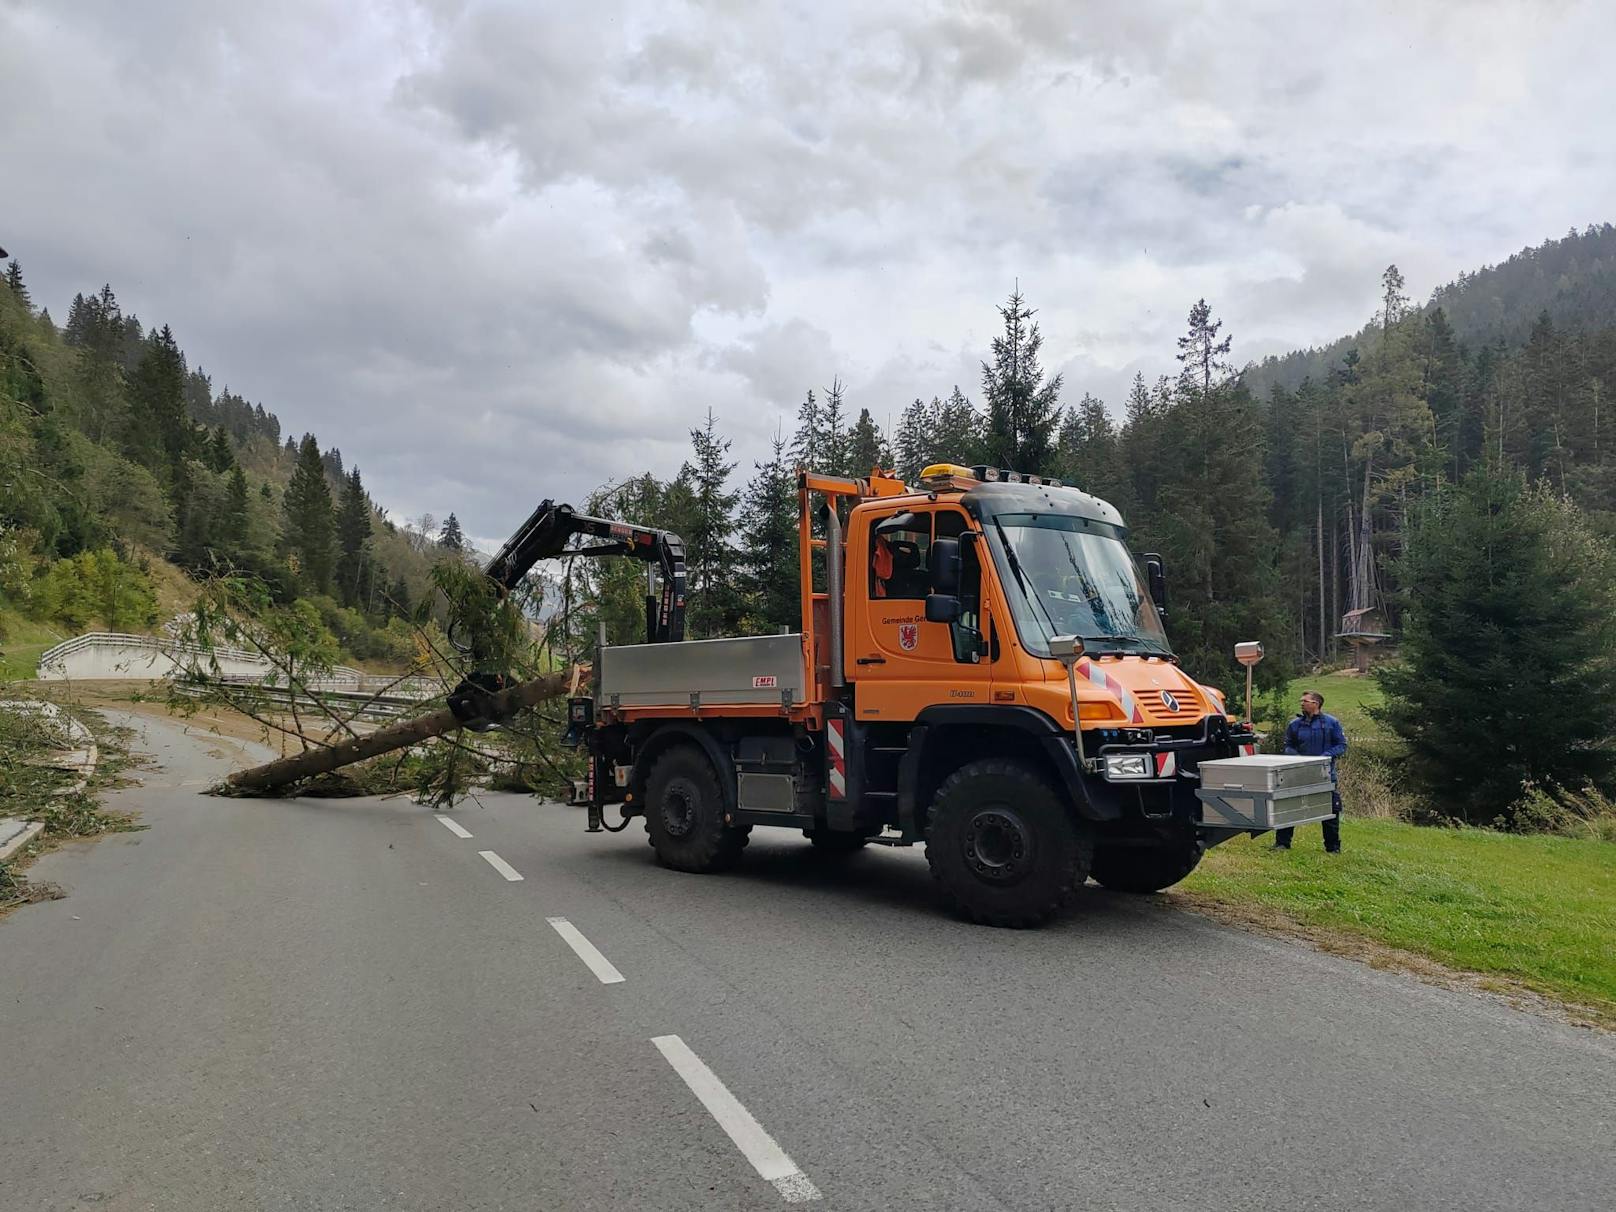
742,671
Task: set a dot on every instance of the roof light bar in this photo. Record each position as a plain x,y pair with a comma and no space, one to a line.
991,475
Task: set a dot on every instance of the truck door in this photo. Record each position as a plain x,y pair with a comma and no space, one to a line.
900,663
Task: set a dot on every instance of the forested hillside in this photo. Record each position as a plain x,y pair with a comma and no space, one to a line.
1572,279
1277,509
119,458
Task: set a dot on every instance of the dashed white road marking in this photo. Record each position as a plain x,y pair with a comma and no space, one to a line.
501,866
453,826
587,951
767,1158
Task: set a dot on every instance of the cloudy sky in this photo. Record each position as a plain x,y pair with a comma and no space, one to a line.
498,250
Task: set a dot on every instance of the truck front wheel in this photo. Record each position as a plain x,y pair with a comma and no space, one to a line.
1003,845
684,814
1145,868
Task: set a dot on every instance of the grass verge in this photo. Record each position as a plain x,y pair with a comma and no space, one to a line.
1534,912
22,640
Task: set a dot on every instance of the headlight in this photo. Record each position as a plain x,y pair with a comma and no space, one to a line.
1128,766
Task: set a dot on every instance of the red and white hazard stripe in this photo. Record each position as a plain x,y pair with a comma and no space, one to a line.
1247,750
836,743
1166,765
1130,707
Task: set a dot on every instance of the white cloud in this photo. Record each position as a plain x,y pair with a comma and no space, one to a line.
496,251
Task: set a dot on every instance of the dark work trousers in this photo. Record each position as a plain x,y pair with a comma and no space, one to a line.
1332,829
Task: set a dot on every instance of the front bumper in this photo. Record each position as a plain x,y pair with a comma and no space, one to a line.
1166,792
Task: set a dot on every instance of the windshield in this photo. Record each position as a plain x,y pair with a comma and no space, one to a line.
1072,576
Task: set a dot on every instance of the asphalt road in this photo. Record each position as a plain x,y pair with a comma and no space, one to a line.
343,1004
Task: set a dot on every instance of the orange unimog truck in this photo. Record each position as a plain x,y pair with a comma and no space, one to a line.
984,671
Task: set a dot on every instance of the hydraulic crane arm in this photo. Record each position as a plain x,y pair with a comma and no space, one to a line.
545,535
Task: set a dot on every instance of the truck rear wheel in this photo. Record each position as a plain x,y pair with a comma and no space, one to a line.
1003,845
684,814
1144,868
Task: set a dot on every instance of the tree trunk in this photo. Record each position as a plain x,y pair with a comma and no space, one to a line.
1324,643
1335,579
396,736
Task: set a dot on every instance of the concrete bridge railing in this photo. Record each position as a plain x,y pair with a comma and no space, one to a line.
109,655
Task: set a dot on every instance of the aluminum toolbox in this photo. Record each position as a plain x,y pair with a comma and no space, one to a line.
1265,772
1265,791
703,673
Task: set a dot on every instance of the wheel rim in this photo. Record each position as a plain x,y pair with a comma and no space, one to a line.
679,810
998,846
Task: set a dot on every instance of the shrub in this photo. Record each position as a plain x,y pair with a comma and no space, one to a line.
1586,813
96,585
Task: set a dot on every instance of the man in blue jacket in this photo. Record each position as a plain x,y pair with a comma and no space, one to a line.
1314,734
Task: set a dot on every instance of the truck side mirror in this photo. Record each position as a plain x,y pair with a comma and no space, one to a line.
942,608
945,569
1156,578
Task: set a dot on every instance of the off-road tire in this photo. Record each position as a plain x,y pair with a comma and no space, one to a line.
684,814
1144,868
836,841
1003,845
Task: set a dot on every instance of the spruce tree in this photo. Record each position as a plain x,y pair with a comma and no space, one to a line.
353,537
309,530
220,455
1202,354
195,521
959,436
916,437
199,405
1443,375
157,433
1023,410
95,329
866,447
808,442
769,553
76,332
1393,299
833,437
1087,452
398,598
1141,445
15,282
236,519
709,542
1507,660
1200,498
451,537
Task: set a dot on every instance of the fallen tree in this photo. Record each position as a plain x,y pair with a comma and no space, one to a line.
490,708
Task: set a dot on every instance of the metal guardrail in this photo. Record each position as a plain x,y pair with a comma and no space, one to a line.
351,704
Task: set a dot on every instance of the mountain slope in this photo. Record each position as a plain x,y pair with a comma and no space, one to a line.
1573,279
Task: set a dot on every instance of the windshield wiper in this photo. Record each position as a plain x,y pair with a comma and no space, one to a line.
1103,641
1027,588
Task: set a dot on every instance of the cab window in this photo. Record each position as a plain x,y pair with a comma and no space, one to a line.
899,547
